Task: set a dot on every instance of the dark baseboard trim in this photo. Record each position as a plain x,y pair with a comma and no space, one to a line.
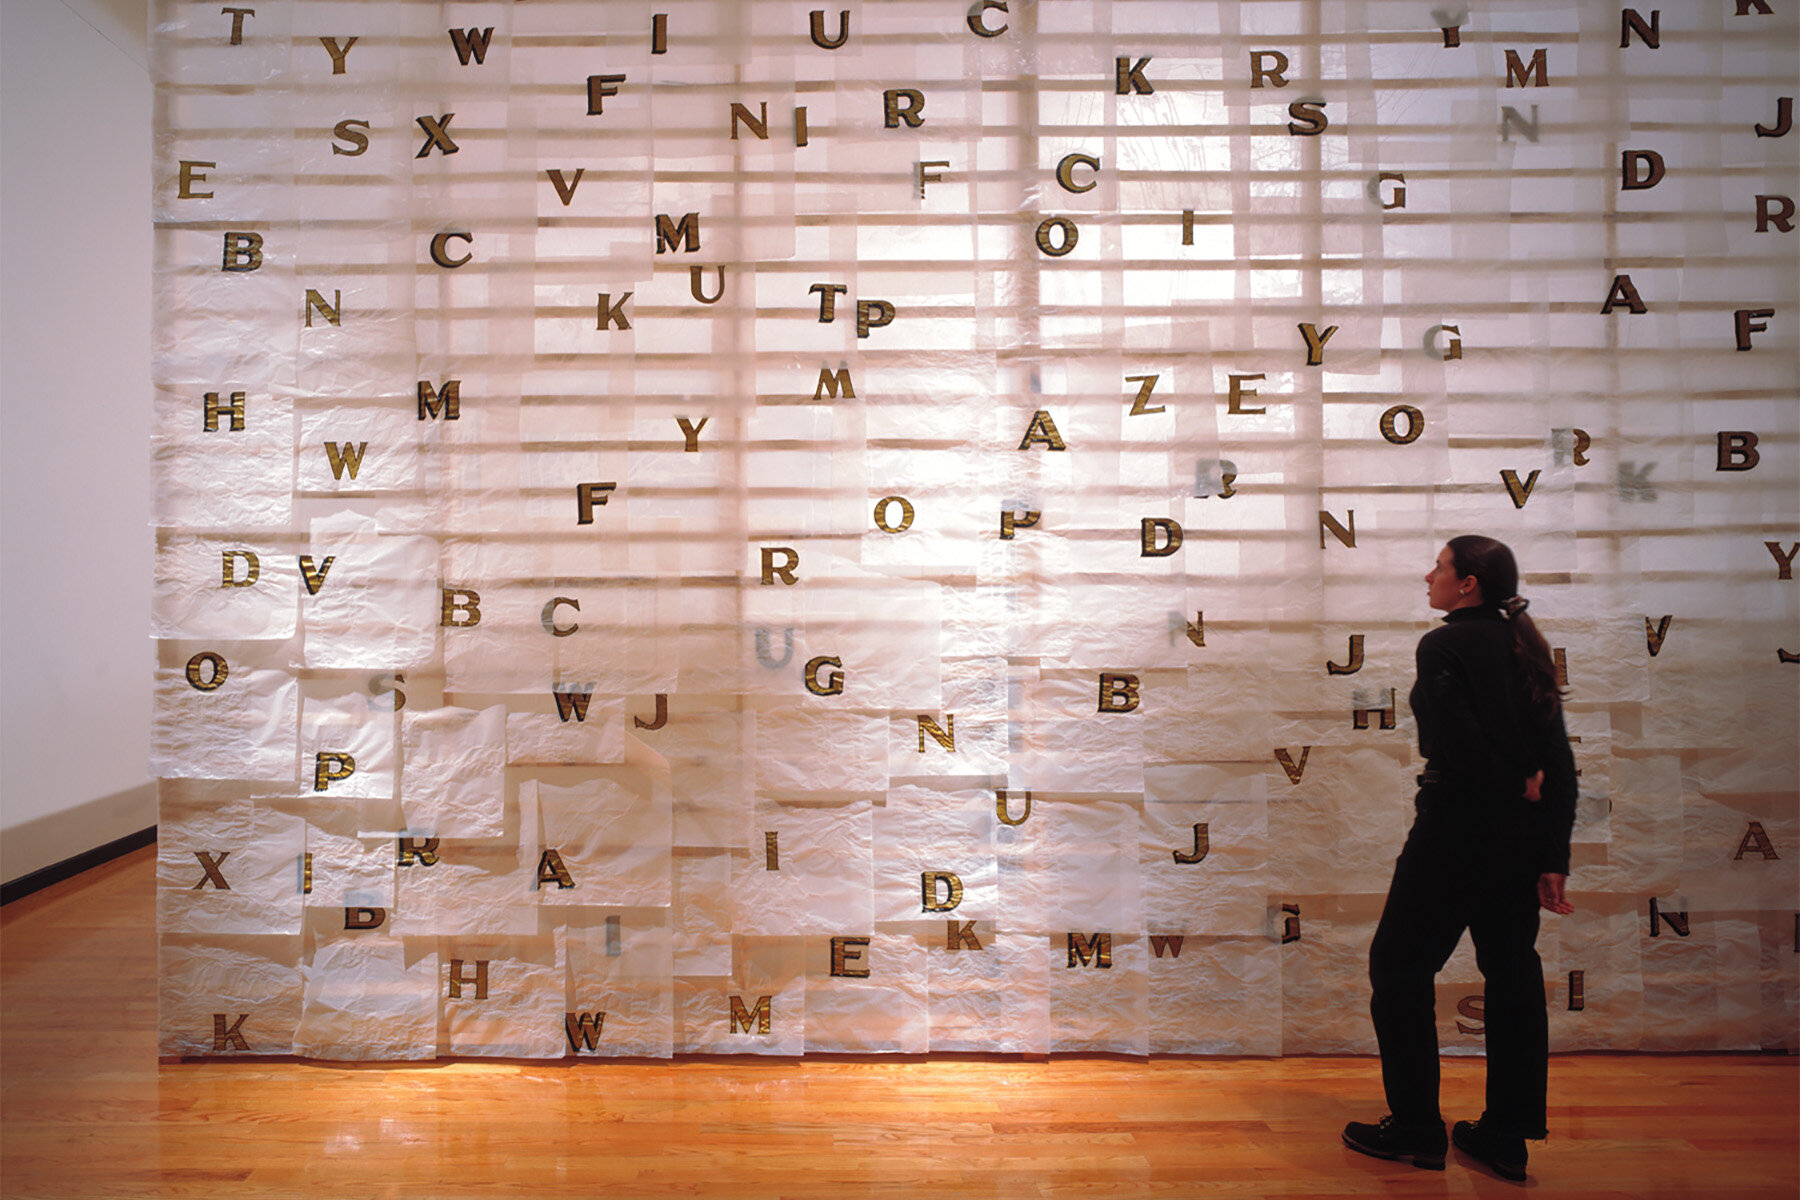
70,867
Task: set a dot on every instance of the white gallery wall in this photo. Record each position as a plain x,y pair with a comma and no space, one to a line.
75,547
731,525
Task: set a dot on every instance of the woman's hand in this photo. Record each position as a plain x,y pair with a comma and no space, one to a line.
1550,894
1534,787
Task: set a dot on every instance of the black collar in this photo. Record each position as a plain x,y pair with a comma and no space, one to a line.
1475,612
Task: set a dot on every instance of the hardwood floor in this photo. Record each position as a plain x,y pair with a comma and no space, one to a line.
88,1111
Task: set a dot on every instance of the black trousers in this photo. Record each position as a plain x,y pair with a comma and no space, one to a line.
1447,881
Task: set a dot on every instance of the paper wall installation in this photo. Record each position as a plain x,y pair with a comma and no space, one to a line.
725,526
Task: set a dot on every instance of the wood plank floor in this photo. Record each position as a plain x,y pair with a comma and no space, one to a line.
88,1111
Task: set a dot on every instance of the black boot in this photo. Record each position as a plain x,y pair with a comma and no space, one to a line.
1499,1153
1421,1145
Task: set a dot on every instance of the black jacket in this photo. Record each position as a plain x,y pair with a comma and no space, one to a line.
1481,742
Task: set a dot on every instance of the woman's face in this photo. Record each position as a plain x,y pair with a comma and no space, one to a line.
1446,589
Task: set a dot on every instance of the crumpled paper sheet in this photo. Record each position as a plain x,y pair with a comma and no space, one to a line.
522,1014
455,772
596,736
245,728
378,603
883,1011
621,964
475,887
611,841
992,1000
1215,995
1096,1008
203,978
368,993
230,587
822,875
1325,974
359,725
933,854
210,832
762,967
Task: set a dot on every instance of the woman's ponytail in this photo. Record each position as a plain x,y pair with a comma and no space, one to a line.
1492,564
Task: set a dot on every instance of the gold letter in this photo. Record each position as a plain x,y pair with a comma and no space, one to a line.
1520,492
1070,235
1042,429
1258,72
1140,406
587,495
1356,658
1128,78
928,891
338,53
894,112
600,87
1095,951
1315,343
440,249
1784,563
612,316
1294,770
551,869
220,670
1756,838
189,177
1010,520
211,866
565,188
872,314
818,29
982,30
1005,817
1235,396
1202,845
461,609
1737,450
1390,424
741,1020
834,682
548,616
906,514
479,979
845,953
1346,536
944,735
758,125
237,22
329,766
448,400
353,130
228,568
785,571
229,1038
243,252
1118,693
1065,172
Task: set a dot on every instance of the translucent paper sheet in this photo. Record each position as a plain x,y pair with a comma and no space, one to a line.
726,527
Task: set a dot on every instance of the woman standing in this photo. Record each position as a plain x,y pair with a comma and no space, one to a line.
1488,846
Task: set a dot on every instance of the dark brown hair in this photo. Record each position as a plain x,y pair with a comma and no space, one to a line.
1494,568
